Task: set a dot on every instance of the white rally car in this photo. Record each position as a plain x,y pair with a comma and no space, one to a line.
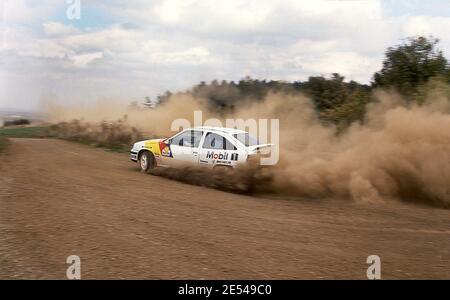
206,146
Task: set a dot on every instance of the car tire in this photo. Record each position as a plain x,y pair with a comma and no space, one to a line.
146,161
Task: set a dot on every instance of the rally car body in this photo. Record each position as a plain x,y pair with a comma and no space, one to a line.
205,146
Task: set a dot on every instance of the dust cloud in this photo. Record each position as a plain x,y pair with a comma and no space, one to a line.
399,152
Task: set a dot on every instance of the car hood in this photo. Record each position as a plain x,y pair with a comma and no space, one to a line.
143,144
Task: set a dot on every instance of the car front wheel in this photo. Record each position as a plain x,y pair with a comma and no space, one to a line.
146,161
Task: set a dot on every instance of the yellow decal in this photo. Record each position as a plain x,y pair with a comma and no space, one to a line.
153,146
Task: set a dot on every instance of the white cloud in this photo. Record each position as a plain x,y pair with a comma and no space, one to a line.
23,42
26,11
427,26
114,38
190,56
56,28
147,47
82,60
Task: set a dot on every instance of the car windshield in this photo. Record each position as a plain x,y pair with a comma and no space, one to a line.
246,139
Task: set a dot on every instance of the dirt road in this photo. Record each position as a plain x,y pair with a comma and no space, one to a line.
58,198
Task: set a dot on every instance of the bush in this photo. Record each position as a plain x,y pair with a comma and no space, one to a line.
17,122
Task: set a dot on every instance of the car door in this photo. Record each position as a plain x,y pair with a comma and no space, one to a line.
184,148
216,149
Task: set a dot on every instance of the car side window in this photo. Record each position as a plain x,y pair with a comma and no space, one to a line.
218,142
196,138
189,138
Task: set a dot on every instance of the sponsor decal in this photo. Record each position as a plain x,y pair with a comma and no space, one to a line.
165,149
215,155
221,156
153,146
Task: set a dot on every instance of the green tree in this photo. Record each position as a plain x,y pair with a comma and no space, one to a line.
336,101
408,66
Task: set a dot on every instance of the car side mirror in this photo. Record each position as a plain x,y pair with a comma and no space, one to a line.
167,142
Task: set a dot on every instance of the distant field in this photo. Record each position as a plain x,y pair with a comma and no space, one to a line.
24,132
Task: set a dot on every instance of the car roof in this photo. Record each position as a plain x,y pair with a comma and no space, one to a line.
220,129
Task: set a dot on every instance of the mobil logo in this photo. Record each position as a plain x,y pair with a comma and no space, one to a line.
217,155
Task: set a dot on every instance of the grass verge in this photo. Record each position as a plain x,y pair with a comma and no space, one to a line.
25,132
113,136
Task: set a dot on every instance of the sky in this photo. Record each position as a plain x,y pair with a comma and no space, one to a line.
127,50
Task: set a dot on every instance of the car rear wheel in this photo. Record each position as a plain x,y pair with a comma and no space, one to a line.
146,161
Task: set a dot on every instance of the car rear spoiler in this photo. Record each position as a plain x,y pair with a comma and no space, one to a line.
259,147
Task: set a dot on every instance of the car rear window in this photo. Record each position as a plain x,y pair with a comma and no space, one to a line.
246,139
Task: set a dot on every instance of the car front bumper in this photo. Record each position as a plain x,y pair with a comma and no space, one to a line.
133,156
